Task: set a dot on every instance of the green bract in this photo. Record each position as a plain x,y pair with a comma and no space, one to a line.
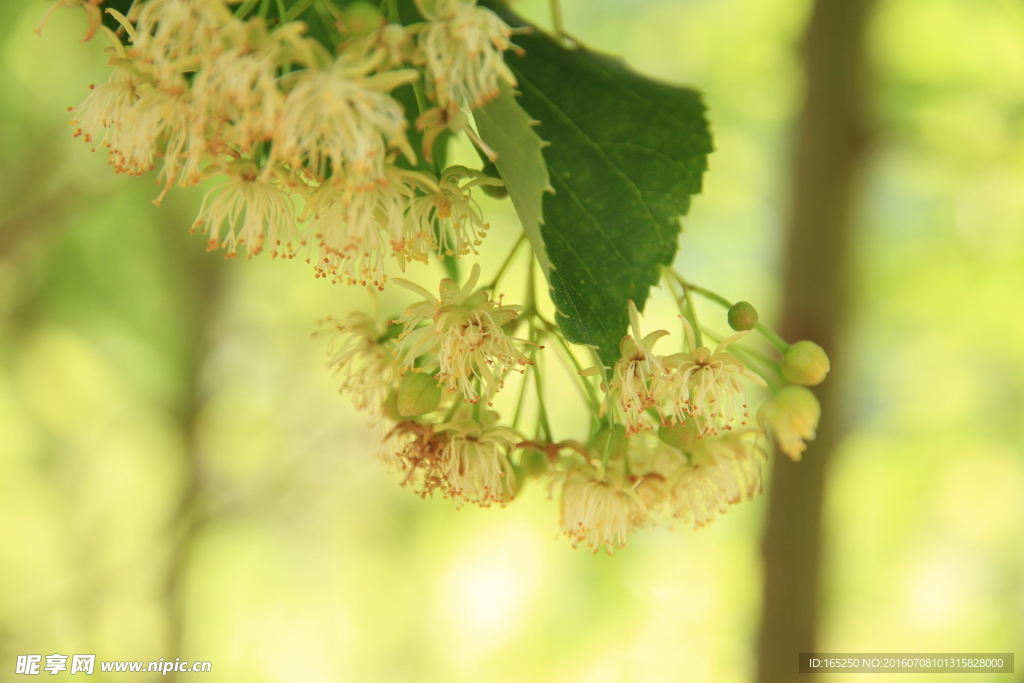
509,130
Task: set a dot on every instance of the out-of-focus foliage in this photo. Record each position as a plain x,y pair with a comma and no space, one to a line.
175,462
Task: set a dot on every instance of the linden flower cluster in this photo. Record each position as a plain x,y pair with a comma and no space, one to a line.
672,440
310,141
425,378
697,385
313,147
705,455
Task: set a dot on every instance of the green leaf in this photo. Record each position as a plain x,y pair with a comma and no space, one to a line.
626,154
508,130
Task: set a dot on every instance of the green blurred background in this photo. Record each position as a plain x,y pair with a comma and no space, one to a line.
178,474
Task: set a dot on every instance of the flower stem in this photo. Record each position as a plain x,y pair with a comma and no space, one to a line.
556,19
454,409
590,395
476,406
610,414
542,412
689,312
331,9
522,397
242,10
693,317
504,266
292,13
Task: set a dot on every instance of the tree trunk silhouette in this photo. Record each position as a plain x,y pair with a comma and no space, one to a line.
830,142
204,276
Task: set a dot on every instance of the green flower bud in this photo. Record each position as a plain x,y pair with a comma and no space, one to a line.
681,436
533,462
360,19
792,417
805,363
742,316
419,395
619,443
390,407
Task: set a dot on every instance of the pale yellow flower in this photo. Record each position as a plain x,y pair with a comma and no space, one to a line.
722,472
161,123
466,460
340,121
639,381
652,464
475,460
253,212
417,451
792,417
147,110
600,511
462,48
707,385
237,90
359,355
447,211
100,117
355,228
173,37
460,336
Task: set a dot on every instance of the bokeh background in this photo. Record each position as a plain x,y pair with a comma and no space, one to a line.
179,475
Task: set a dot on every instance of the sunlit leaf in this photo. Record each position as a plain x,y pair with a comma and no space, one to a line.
506,128
626,154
